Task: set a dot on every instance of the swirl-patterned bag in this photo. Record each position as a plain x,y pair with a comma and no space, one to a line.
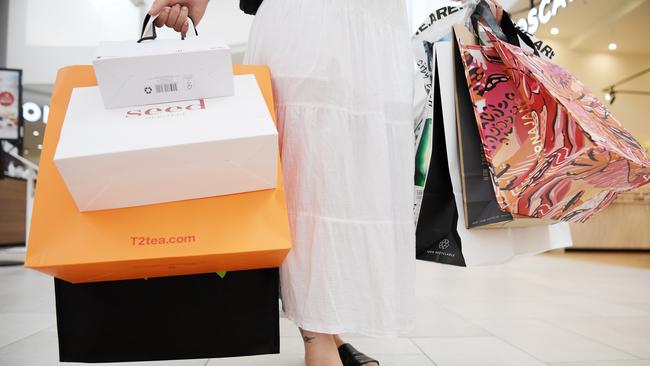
553,148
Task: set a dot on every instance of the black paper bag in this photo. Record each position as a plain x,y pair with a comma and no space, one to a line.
184,317
249,6
437,238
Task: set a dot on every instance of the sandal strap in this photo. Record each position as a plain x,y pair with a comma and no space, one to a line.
350,356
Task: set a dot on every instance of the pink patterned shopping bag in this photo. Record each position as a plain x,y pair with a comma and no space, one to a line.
553,149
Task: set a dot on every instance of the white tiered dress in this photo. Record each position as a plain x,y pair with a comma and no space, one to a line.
343,81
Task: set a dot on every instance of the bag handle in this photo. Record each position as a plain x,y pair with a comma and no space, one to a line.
483,11
149,19
509,27
505,31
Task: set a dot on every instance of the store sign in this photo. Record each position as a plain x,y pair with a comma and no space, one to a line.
10,91
542,14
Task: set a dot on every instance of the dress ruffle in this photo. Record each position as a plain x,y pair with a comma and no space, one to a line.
343,83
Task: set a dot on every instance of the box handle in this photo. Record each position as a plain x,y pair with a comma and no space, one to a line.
148,20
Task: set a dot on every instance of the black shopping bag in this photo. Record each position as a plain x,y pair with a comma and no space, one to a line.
437,238
479,199
184,317
249,6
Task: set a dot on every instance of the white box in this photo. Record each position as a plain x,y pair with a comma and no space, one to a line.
113,158
161,71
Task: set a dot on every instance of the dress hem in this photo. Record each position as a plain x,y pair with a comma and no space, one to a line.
340,330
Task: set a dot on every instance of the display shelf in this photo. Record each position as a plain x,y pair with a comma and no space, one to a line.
12,211
623,225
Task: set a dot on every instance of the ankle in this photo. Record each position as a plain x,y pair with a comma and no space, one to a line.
320,349
338,340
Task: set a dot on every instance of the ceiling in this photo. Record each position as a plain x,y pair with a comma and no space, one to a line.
591,25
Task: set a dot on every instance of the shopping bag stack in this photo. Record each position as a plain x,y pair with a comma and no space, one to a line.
143,212
507,141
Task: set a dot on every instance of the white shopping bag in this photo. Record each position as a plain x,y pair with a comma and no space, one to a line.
436,26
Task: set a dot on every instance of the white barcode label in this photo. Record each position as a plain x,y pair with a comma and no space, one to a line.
166,88
419,195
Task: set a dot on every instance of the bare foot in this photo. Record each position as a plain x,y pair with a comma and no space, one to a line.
320,349
339,341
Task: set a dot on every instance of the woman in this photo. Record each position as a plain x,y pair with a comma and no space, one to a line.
342,74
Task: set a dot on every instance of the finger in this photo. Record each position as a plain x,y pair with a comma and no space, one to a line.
182,19
173,16
185,28
493,9
162,17
499,13
158,6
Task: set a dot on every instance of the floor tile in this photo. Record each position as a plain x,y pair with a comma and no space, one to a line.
384,346
266,360
515,309
35,298
404,360
643,306
434,320
474,351
41,349
603,363
298,360
15,326
288,328
629,334
550,343
291,346
370,346
597,307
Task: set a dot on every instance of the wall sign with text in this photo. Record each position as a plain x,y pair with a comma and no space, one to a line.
542,14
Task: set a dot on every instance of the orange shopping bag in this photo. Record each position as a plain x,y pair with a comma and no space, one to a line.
225,233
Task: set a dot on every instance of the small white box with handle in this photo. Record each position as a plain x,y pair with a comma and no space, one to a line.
113,158
153,71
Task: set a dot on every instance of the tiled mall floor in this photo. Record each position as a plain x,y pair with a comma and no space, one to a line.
545,310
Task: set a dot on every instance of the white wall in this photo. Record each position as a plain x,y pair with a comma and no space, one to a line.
600,70
45,35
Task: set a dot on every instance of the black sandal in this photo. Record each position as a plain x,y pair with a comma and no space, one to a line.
352,357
